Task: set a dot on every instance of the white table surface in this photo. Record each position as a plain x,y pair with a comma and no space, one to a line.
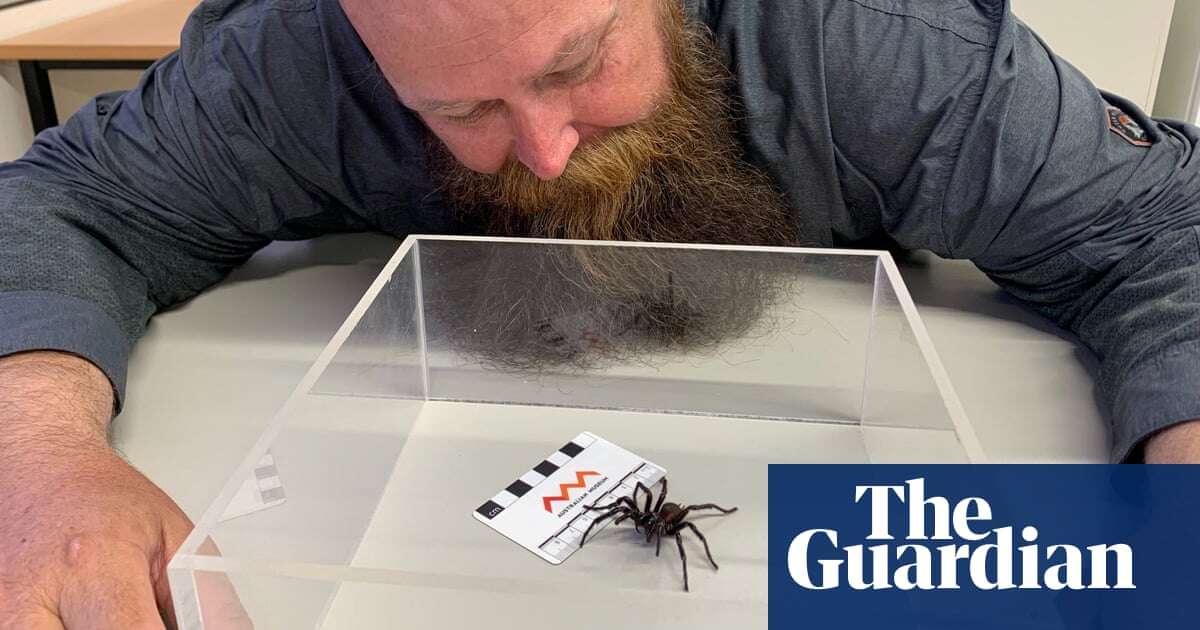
208,375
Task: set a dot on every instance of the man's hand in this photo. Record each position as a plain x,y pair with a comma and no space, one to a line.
84,542
84,538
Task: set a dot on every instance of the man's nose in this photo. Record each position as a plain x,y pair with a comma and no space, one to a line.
545,138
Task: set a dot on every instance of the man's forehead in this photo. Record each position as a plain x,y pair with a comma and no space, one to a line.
447,22
447,27
443,50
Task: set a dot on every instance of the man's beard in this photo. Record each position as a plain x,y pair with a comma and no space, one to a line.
675,177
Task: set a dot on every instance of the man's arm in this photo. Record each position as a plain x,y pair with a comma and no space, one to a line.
52,400
1179,444
137,202
1089,211
987,146
140,200
1141,316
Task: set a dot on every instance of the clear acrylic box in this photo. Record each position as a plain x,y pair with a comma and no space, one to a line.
469,359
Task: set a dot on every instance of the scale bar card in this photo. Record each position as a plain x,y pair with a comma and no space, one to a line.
543,510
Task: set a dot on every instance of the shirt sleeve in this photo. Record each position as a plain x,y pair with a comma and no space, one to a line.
986,145
141,200
1077,202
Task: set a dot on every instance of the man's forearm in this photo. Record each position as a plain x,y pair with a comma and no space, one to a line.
1179,444
52,399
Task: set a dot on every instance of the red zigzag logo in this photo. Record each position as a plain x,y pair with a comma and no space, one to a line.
564,489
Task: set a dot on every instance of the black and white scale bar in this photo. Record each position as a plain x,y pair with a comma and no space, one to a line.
534,476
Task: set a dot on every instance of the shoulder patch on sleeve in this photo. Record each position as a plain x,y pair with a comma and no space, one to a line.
1121,124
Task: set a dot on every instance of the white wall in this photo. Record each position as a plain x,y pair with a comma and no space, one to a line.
1118,44
1179,87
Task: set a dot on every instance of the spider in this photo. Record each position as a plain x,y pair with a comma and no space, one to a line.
666,519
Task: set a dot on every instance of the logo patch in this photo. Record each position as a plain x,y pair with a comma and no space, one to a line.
1121,124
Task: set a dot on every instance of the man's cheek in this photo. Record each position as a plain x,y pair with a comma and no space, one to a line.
612,107
633,84
479,150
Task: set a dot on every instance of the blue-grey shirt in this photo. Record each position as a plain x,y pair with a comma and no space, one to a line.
938,124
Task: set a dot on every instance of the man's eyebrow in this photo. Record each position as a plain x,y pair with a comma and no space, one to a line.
571,45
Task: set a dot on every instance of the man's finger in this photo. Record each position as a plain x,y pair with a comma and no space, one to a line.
221,607
108,588
217,600
222,610
175,531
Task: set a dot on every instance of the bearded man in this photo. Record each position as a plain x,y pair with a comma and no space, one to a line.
938,124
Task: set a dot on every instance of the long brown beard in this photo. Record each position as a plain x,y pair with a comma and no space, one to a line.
677,177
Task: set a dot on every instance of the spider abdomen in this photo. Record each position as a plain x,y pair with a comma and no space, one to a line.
670,512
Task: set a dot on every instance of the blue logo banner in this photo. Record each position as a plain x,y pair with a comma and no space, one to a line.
984,547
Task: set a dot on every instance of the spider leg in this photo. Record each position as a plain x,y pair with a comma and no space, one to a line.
657,545
682,558
708,506
661,497
622,501
633,503
702,539
649,495
599,519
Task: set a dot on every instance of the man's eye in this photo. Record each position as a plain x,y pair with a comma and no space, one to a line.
566,76
579,74
473,116
470,117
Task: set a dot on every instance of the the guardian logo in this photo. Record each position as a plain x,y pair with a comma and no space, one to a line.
987,558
